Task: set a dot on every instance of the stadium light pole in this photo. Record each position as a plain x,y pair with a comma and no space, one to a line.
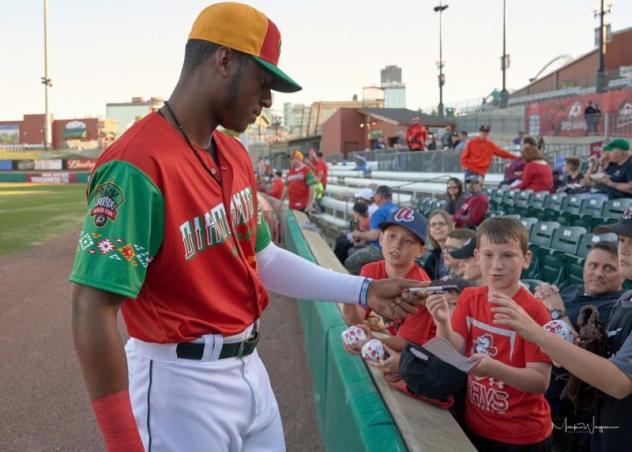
439,9
602,79
46,81
504,60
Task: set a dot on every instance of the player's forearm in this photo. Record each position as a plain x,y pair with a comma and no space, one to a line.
396,343
583,363
524,379
97,341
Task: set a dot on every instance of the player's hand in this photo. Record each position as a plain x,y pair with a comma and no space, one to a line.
545,290
486,365
439,308
390,365
508,313
356,349
389,298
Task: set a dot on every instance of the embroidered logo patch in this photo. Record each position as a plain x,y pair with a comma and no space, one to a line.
405,215
109,198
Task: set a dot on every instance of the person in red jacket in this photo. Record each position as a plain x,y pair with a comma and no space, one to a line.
537,174
319,166
472,211
277,186
479,151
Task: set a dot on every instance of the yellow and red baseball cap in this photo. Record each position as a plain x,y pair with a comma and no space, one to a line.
296,154
247,30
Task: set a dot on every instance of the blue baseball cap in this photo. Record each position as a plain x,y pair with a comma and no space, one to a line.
410,219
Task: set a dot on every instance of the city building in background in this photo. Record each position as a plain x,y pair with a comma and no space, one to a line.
127,113
372,93
393,87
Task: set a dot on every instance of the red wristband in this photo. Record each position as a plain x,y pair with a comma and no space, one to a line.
117,423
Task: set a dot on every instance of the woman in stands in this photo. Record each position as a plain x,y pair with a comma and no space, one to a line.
439,226
537,175
455,195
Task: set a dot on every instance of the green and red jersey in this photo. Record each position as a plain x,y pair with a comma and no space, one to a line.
298,183
163,233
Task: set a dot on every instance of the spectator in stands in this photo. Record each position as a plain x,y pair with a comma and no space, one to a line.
402,238
432,142
360,222
440,225
472,211
366,195
446,138
517,141
601,287
361,163
616,182
469,268
572,179
479,151
456,240
513,170
276,191
454,194
372,252
589,118
462,141
537,175
300,183
613,375
505,408
596,118
319,166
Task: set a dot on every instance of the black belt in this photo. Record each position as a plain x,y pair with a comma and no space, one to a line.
190,350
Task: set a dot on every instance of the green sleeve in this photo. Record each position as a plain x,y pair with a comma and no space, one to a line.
310,179
122,231
263,233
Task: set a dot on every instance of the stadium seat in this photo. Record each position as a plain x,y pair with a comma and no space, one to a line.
521,202
507,204
540,238
496,199
528,222
553,206
590,213
423,205
566,240
440,204
570,210
536,205
613,210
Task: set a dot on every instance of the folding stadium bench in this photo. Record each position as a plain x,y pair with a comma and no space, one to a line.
565,241
540,237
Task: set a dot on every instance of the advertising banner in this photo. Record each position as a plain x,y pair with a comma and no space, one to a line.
80,164
6,165
567,117
49,178
9,133
24,165
54,164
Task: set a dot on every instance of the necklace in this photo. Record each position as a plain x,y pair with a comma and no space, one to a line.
210,171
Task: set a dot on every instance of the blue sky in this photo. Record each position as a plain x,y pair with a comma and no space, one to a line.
109,51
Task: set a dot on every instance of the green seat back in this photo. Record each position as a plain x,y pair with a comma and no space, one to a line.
613,210
528,222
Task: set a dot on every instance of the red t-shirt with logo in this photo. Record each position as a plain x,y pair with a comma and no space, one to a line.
298,183
417,328
493,409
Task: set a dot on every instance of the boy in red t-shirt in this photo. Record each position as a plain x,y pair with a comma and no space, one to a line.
505,407
402,240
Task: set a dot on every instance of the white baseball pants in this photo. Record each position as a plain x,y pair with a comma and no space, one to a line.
206,405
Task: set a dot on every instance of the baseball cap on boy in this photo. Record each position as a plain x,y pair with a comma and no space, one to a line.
621,227
434,370
466,251
617,144
247,30
475,178
484,128
407,218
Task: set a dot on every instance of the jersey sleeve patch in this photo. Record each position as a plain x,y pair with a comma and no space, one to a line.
122,230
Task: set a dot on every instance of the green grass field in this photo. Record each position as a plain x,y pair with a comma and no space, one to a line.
31,214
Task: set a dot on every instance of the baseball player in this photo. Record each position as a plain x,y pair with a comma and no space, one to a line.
174,238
